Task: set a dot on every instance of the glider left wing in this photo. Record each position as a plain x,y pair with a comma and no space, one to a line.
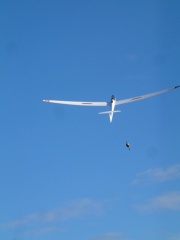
144,96
79,103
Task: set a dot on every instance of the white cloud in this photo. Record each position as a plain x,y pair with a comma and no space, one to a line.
41,230
80,208
158,175
131,57
168,201
111,236
73,209
174,237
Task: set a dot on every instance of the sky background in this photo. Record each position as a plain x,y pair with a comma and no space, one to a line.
65,172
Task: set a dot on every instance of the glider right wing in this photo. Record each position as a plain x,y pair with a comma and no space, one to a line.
144,96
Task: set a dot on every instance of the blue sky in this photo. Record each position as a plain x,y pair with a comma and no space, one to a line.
65,172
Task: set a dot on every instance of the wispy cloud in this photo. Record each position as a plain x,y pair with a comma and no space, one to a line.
153,175
167,201
81,208
131,57
174,237
111,236
41,230
48,220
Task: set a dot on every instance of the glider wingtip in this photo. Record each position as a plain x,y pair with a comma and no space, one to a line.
45,100
176,86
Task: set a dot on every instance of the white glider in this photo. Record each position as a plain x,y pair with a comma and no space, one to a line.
112,103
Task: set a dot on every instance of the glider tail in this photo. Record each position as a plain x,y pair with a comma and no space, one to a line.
107,112
110,114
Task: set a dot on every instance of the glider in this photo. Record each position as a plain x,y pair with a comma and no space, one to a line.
112,103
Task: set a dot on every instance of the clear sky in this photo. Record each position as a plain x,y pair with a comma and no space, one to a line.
65,172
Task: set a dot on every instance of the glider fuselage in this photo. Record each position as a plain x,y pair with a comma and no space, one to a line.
113,103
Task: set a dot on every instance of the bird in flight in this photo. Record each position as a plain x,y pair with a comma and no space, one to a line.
112,103
128,145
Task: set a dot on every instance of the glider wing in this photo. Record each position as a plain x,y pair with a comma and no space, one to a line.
79,103
144,96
